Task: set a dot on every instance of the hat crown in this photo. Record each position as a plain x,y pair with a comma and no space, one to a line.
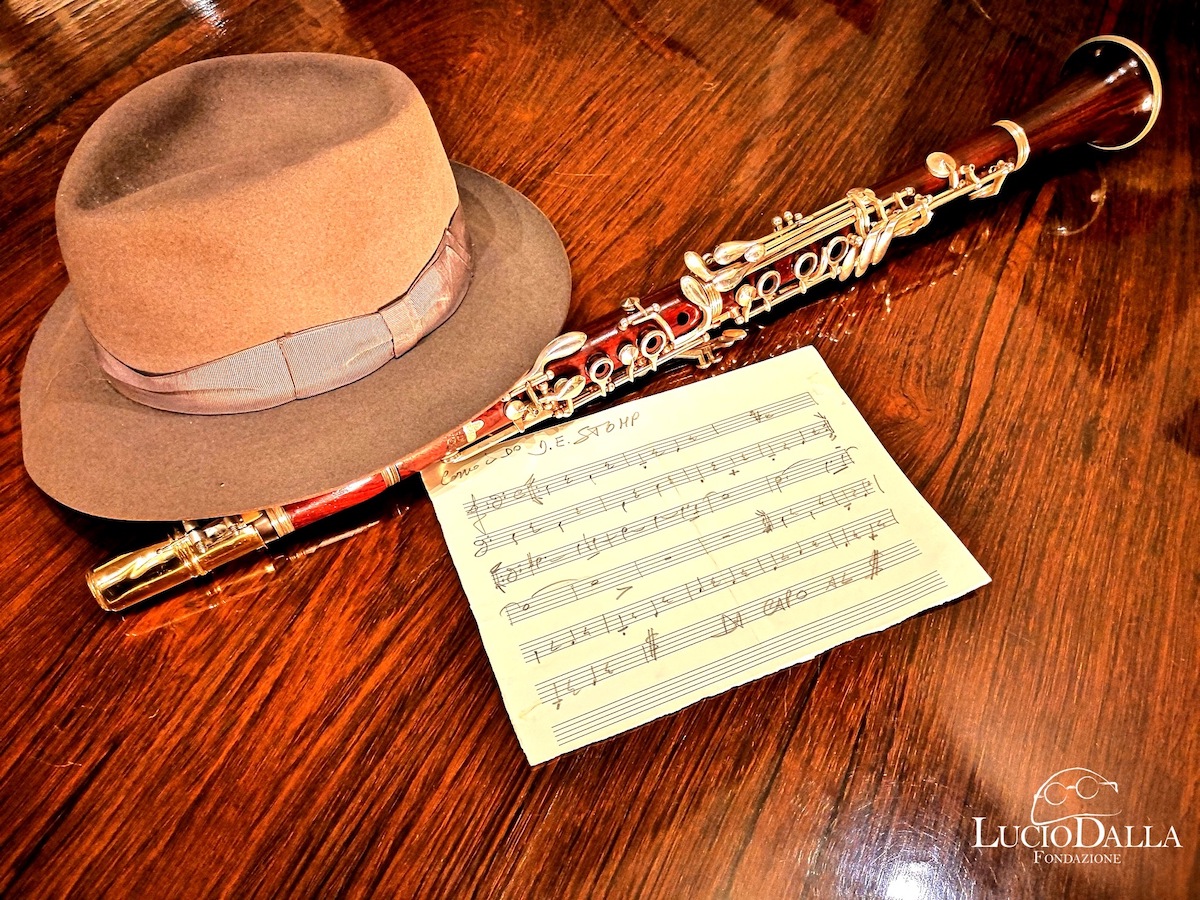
233,201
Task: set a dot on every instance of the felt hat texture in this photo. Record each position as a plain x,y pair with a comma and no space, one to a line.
238,200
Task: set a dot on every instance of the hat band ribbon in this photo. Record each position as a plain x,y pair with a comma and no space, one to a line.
315,360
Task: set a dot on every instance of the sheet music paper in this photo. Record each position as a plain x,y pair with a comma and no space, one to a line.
624,565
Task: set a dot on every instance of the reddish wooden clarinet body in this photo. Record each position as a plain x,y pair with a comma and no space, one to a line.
1109,97
305,512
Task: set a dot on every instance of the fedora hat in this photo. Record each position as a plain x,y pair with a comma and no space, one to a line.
277,284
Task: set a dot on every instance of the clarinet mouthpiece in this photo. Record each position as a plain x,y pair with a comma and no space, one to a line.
136,577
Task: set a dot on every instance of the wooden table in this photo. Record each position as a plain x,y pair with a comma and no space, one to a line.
1030,362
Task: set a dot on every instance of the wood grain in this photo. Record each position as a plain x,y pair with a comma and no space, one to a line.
324,721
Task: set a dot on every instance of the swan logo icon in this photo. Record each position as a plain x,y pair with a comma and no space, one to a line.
1071,793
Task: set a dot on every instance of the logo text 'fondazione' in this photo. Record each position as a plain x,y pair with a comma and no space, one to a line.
1072,811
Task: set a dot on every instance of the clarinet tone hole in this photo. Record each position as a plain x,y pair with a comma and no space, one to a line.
768,284
600,368
652,343
806,265
837,249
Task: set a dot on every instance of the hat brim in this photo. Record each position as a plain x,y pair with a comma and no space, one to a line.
92,449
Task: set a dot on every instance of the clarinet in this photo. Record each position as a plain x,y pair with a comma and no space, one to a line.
1109,97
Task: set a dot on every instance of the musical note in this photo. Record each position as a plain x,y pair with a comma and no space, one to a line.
839,462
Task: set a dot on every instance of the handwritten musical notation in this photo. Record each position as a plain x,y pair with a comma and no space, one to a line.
726,464
536,489
591,546
620,574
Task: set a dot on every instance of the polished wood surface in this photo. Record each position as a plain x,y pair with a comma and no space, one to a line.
324,721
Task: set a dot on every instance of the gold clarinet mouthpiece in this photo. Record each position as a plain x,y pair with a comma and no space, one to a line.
198,549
